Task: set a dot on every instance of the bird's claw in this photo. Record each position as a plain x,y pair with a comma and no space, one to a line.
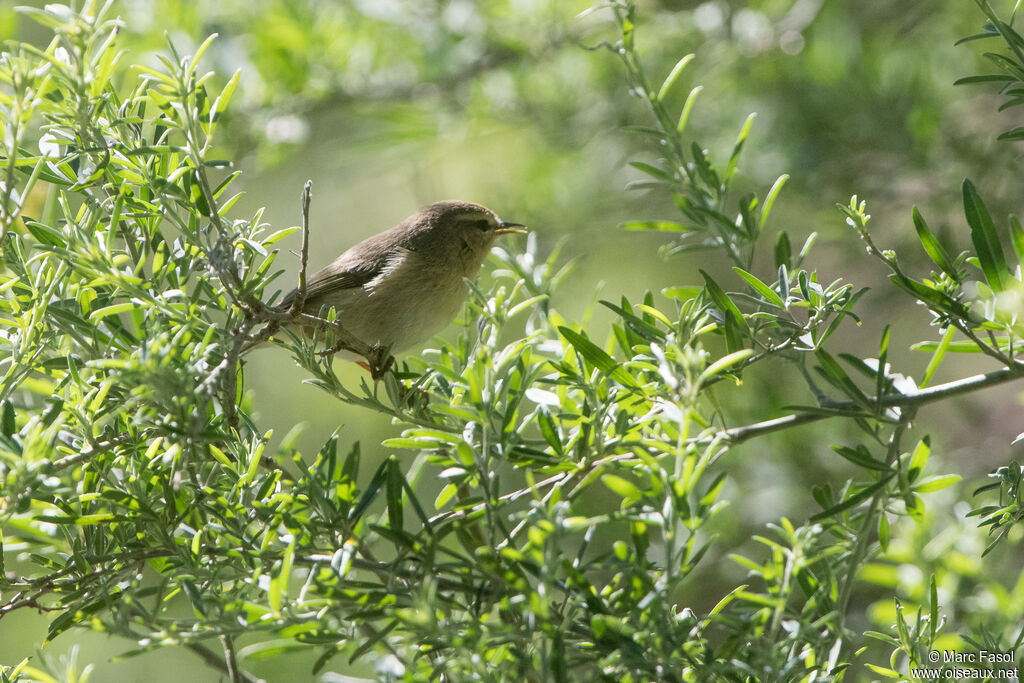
381,360
378,361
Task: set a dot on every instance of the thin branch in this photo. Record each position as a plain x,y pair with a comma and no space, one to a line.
23,599
912,399
231,659
7,214
87,454
507,498
992,351
300,293
867,528
213,661
893,265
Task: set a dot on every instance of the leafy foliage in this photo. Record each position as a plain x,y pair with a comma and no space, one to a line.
563,489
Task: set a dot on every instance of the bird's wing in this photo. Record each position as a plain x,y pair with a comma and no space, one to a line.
348,271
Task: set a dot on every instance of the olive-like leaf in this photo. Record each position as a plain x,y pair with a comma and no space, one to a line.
985,240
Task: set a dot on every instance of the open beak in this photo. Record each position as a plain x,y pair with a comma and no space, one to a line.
510,228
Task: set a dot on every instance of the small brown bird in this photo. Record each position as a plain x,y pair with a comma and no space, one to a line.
398,288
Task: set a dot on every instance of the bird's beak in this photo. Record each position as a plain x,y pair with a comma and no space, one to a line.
509,228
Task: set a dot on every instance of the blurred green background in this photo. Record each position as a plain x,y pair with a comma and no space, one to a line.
391,104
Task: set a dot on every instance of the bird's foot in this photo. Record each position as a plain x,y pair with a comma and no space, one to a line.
380,361
377,362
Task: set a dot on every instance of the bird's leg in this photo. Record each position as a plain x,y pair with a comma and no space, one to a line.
381,360
377,374
346,342
378,358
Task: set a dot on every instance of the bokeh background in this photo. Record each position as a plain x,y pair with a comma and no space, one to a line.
391,104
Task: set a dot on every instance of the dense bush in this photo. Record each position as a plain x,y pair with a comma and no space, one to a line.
561,486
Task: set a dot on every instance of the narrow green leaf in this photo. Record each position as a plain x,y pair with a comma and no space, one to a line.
761,288
986,241
446,494
115,309
394,495
933,609
769,201
279,584
657,226
783,251
195,596
673,75
932,246
682,293
1017,239
549,431
592,353
622,487
200,52
724,602
254,463
724,363
45,234
372,489
684,116
853,500
9,426
880,379
737,148
705,169
1010,103
1006,64
221,457
653,171
935,299
222,101
968,346
596,356
940,353
883,671
735,327
1012,134
861,457
806,249
937,483
985,78
835,373
748,207
919,458
90,520
977,36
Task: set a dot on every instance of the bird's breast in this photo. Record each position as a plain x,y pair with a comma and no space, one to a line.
409,302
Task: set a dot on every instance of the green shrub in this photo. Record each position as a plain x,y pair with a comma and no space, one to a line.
561,488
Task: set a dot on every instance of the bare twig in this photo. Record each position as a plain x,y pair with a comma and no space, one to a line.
868,525
231,659
8,215
463,512
911,399
300,293
992,351
93,450
213,661
23,599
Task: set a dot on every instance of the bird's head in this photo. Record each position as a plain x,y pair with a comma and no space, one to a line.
464,230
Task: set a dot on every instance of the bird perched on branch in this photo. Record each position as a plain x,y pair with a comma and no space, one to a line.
396,289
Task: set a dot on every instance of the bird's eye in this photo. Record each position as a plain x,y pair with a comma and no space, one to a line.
483,224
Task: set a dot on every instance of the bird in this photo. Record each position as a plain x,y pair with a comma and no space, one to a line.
396,289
